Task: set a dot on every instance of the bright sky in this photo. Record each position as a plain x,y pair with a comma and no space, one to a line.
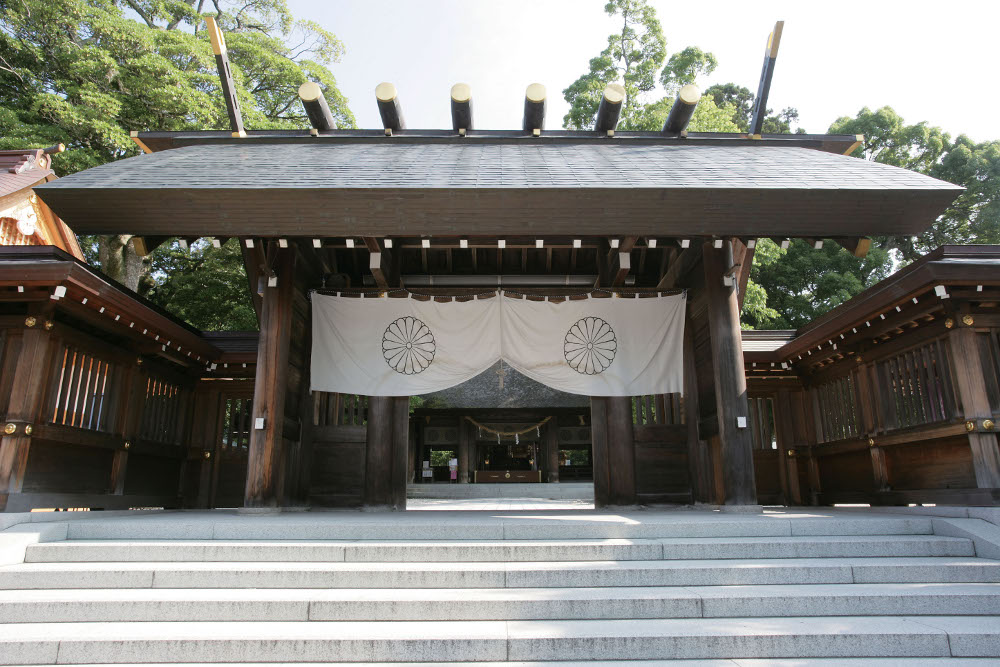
937,63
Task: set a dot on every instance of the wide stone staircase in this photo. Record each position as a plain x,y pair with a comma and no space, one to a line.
716,590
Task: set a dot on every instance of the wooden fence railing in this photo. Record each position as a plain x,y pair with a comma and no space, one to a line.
895,427
97,426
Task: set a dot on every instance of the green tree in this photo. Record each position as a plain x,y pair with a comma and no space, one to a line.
975,215
636,57
802,283
86,72
204,285
740,100
808,282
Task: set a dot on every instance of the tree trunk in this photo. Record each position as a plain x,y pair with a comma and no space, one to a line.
120,262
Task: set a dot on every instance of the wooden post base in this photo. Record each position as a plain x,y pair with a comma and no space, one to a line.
386,448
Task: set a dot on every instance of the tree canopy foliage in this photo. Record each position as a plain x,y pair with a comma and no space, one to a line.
636,57
87,72
806,282
788,288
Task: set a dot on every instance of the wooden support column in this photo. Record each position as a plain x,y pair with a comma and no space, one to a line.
736,443
464,449
129,426
784,432
552,449
385,452
970,389
863,382
613,450
699,464
31,377
270,385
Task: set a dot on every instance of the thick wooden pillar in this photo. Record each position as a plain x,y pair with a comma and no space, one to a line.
31,377
699,465
386,449
736,443
552,450
464,447
270,385
970,390
614,450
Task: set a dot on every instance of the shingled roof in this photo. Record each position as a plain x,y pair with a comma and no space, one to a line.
20,169
381,187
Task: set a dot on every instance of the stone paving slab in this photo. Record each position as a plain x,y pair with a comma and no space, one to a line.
515,640
145,605
693,638
499,550
557,574
650,524
732,662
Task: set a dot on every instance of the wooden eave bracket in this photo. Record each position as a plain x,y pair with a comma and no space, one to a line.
857,246
134,136
859,140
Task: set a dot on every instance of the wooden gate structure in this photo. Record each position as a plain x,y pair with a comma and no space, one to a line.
446,214
104,411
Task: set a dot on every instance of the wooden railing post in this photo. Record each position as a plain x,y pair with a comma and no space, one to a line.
736,442
263,465
31,381
970,390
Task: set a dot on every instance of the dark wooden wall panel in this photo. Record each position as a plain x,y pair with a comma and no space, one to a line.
338,466
65,468
849,471
931,465
152,475
766,475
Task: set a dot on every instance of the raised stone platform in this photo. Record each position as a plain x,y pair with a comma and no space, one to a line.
546,491
803,587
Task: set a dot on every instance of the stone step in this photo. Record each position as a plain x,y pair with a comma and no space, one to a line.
501,550
721,662
500,575
469,525
451,641
154,605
